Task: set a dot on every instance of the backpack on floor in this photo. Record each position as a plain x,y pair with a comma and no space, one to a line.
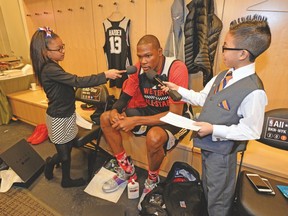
153,203
181,194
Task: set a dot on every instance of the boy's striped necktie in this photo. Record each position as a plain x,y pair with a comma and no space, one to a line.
223,82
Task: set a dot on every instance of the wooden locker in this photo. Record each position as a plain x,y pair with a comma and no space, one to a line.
38,13
159,19
74,22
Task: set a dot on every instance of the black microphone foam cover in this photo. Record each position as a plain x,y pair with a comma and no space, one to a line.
151,74
131,70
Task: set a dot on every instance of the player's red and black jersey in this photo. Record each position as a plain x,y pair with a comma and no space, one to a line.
153,95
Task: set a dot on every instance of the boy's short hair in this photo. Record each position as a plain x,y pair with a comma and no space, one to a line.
251,33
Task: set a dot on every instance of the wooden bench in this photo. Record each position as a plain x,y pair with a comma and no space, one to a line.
29,106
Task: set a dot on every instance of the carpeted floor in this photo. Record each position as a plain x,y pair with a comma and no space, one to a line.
49,197
67,201
20,202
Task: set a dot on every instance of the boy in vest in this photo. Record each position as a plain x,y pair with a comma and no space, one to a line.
233,110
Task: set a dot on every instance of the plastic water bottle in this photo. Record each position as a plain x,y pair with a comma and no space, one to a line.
133,189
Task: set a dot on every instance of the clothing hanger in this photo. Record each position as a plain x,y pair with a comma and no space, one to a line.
116,14
255,8
250,8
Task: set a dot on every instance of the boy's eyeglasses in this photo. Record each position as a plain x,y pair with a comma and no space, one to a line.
236,49
61,49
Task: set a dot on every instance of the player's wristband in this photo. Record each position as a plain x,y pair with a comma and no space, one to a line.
122,102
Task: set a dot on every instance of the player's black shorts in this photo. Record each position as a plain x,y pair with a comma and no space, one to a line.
174,133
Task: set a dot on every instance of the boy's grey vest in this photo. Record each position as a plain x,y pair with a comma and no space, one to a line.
214,114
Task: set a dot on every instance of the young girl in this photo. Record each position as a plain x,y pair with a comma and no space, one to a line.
46,50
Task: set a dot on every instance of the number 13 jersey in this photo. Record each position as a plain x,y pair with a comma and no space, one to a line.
117,47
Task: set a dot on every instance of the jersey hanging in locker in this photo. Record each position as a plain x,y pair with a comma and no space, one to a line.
117,47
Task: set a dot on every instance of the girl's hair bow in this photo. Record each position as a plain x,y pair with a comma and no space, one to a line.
47,30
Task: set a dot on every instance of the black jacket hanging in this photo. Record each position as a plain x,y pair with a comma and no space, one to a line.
202,29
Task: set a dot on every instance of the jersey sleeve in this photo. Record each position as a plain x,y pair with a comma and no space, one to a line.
132,83
179,76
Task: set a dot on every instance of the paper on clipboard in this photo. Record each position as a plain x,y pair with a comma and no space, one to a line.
179,121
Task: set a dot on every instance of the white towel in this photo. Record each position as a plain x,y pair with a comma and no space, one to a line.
8,178
80,121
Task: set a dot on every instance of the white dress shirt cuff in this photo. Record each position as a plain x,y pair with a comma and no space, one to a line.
219,132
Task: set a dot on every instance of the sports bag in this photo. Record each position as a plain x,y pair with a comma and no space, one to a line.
181,194
153,202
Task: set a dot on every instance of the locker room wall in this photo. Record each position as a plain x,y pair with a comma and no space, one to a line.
79,23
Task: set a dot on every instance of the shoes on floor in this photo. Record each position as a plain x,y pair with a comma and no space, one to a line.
111,165
40,136
121,177
35,132
149,185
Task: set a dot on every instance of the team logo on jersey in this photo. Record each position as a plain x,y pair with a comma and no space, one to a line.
156,97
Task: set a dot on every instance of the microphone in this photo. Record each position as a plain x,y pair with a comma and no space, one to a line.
131,70
153,76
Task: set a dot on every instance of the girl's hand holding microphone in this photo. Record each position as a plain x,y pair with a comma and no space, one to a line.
114,74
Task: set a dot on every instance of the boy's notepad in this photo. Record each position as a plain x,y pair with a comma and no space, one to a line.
179,121
284,190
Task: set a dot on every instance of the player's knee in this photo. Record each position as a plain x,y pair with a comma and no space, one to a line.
105,118
155,138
